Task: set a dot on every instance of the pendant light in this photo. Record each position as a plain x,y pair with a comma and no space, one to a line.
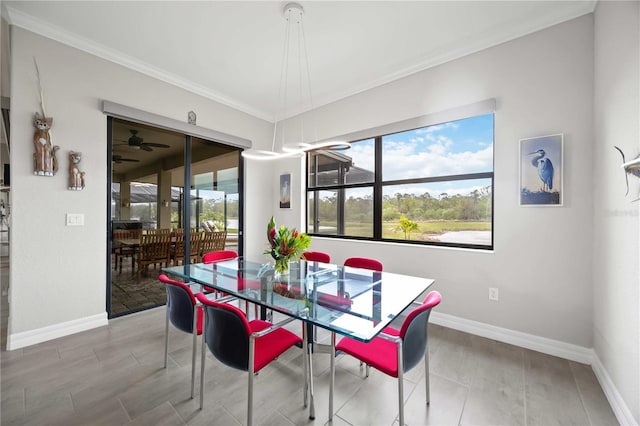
293,13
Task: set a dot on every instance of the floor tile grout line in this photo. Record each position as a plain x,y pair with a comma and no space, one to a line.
177,413
464,404
126,413
575,380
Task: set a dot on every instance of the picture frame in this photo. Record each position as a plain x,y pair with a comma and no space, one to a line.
541,171
285,191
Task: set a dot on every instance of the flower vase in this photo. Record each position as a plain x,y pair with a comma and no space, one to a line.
281,269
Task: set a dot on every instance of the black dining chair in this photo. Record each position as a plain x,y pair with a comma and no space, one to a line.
241,344
185,315
394,352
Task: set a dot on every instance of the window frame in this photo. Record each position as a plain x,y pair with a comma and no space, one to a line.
378,185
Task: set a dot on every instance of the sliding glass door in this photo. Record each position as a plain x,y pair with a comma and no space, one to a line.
148,195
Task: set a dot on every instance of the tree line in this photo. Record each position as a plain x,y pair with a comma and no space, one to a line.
476,206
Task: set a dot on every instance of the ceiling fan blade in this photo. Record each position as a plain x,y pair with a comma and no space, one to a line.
156,145
146,147
119,159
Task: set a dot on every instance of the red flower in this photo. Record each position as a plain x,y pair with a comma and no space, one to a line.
272,237
283,248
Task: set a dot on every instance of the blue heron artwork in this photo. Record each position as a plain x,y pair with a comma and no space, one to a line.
541,170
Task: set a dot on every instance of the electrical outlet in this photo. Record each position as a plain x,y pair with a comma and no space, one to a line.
493,294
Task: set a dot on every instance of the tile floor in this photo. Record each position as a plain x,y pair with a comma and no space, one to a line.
129,294
114,376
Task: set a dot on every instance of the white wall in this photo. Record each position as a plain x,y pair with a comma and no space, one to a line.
616,242
58,273
549,263
543,84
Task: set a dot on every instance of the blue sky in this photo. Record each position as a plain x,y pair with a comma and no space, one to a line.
457,147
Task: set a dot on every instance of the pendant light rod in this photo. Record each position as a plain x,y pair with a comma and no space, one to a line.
293,13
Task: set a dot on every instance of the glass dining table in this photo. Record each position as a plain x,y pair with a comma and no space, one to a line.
353,302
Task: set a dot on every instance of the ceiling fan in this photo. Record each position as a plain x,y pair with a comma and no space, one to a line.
120,159
137,142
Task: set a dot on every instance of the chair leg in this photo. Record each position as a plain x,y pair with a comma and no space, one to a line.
305,371
166,337
252,348
332,377
202,358
400,386
426,373
312,408
193,350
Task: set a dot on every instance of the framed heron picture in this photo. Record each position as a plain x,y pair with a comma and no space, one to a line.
285,191
541,171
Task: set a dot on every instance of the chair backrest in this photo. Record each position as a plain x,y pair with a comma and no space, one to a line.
213,241
126,234
178,244
195,239
414,331
226,333
316,256
194,245
364,263
180,303
218,256
154,246
158,231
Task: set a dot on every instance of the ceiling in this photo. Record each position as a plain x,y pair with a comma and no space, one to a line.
146,164
232,51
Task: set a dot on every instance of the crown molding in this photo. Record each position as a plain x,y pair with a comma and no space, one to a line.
43,28
40,27
483,43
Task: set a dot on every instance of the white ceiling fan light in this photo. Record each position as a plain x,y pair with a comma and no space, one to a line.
293,13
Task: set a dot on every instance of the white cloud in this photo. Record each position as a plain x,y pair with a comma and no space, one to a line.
401,161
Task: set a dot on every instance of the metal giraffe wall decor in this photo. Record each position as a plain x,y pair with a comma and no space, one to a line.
630,168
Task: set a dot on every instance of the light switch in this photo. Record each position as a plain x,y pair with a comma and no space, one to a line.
75,219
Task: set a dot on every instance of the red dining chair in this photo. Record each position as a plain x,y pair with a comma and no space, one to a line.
183,313
316,256
241,344
218,256
394,352
364,263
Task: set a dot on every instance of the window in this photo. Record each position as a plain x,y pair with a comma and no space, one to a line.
428,185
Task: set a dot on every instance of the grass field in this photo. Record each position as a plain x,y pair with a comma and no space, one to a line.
425,229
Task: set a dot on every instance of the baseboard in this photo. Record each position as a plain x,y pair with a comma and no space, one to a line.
517,338
50,332
548,346
619,407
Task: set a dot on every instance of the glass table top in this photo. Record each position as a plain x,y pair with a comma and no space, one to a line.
353,302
